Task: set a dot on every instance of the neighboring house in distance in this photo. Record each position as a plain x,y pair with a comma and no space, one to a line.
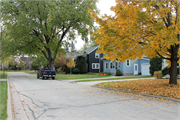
27,63
93,59
129,67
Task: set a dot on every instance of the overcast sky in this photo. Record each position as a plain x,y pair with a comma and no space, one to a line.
104,7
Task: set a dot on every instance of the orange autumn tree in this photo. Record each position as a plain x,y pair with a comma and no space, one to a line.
60,61
140,28
70,63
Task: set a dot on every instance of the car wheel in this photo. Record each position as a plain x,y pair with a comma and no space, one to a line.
53,78
38,77
43,78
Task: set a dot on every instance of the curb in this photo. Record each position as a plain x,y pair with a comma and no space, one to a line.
153,96
9,105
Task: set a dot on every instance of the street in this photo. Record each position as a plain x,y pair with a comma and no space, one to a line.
39,99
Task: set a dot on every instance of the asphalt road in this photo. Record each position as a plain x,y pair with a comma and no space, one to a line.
36,99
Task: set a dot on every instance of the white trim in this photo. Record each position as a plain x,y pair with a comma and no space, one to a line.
145,59
107,65
110,65
95,65
129,63
117,65
134,69
98,55
93,49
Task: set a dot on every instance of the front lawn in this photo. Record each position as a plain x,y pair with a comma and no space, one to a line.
77,76
159,87
3,75
131,77
3,100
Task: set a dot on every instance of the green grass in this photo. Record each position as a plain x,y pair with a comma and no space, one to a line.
31,72
3,75
77,76
115,78
3,100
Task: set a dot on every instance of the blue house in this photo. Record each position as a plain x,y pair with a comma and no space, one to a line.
135,67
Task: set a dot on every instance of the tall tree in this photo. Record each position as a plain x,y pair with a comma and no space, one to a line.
142,27
41,26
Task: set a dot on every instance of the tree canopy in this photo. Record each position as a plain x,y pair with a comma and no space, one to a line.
140,28
39,27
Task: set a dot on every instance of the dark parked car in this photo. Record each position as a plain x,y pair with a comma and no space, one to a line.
46,73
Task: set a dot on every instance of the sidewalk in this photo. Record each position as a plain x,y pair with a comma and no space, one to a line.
96,82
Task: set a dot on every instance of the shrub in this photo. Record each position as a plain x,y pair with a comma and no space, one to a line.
76,71
118,73
158,74
83,65
67,70
178,70
155,74
165,70
155,64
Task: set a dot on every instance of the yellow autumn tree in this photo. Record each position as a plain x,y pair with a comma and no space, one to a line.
70,63
140,28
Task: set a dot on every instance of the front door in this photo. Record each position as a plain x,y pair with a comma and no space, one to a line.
135,69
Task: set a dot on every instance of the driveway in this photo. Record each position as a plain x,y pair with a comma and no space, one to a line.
63,100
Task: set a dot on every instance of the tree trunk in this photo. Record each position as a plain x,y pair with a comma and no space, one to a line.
173,72
51,63
173,69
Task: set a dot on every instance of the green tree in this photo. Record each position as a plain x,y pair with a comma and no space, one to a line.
83,65
20,64
36,27
155,64
38,61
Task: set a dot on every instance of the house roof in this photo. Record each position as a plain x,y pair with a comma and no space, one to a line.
89,50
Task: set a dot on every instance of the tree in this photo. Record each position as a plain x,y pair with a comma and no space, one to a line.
38,61
20,64
70,63
155,64
13,63
83,65
60,61
140,28
36,27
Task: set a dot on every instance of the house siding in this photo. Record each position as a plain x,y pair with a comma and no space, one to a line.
130,69
92,59
126,70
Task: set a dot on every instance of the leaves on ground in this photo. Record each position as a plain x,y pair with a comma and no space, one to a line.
159,87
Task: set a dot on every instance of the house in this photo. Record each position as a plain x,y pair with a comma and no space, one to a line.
93,59
129,67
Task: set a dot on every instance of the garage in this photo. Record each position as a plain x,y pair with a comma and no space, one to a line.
145,69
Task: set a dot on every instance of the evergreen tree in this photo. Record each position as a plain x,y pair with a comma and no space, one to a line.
83,65
155,65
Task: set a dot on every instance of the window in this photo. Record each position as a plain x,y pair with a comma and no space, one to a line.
95,65
111,65
106,65
127,62
116,65
96,55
